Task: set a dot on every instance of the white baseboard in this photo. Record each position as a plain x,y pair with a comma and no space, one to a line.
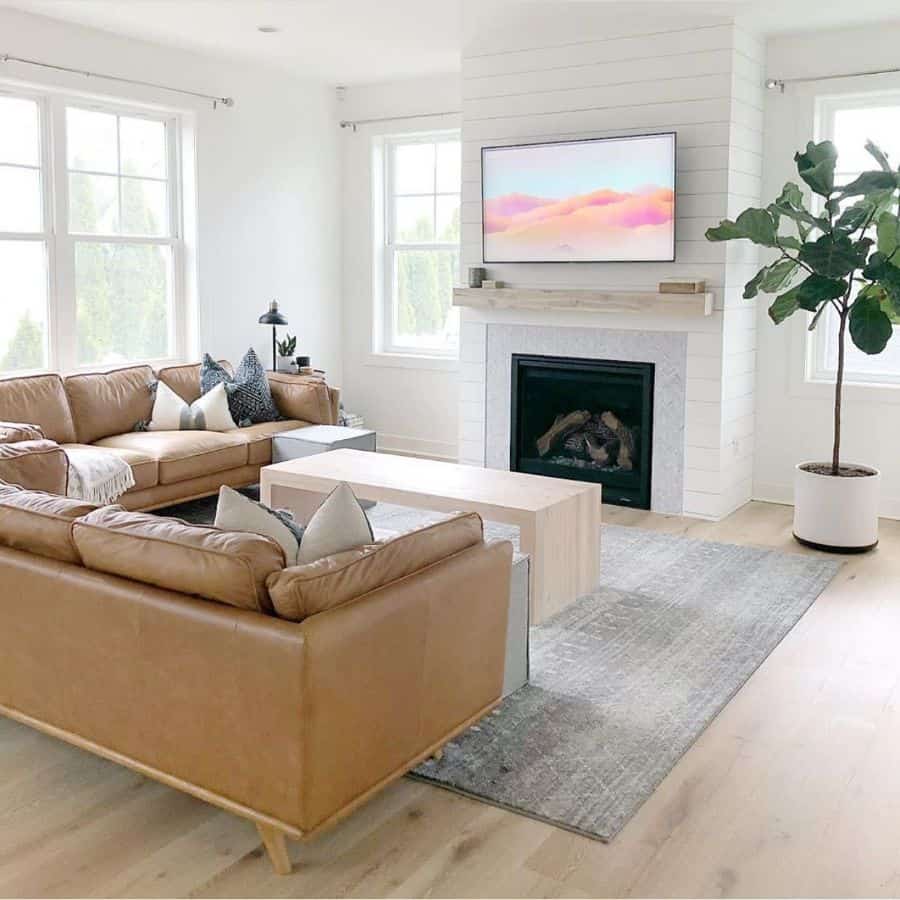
402,445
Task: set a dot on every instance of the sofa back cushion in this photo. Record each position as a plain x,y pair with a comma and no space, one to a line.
185,380
38,465
41,400
106,403
302,591
39,523
228,566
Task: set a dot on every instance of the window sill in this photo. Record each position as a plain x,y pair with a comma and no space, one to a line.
413,361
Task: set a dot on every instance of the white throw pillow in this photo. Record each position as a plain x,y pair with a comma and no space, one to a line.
208,413
339,524
235,512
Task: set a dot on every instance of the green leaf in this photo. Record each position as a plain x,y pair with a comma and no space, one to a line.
888,233
770,279
830,256
816,288
778,275
810,294
755,225
854,217
880,157
751,288
788,242
784,306
816,166
870,182
886,275
790,203
790,195
870,326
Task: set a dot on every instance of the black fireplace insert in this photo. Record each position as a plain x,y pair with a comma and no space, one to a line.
587,419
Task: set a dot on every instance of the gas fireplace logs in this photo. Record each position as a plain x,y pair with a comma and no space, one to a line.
561,426
586,438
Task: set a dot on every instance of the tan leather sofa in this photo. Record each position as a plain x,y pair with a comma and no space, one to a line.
288,696
102,410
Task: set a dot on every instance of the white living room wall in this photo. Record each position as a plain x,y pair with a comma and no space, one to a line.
411,402
546,71
794,419
267,178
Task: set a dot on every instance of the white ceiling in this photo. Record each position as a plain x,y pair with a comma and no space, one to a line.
337,41
366,41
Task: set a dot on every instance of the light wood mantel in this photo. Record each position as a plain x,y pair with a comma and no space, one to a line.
587,301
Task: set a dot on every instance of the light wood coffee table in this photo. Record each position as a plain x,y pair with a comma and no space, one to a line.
558,519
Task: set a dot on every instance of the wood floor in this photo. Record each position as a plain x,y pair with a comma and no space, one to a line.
794,790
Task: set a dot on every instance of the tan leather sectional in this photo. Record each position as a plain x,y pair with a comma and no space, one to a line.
103,409
285,695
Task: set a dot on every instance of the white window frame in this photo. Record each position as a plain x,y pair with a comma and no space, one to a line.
384,342
816,370
60,243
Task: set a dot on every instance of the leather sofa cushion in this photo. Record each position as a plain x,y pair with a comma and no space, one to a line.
185,380
228,566
145,469
105,403
259,438
184,454
298,592
305,400
37,465
40,523
12,432
40,399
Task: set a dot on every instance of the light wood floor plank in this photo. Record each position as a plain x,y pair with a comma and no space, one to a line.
793,790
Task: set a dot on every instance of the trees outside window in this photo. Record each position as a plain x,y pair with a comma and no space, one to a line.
421,245
90,249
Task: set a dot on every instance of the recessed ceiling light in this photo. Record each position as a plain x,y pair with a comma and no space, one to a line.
268,29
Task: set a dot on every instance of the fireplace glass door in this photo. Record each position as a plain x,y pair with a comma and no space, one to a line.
587,419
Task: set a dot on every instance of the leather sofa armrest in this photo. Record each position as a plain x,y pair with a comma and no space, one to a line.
397,672
14,432
304,397
37,465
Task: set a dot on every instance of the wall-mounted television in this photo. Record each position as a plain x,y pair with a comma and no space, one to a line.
597,200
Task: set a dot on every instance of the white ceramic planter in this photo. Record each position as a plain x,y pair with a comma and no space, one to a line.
285,363
836,513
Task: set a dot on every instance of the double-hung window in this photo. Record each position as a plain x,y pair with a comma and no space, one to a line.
850,121
421,244
91,253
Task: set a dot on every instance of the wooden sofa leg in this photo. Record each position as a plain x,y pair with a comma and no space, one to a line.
274,842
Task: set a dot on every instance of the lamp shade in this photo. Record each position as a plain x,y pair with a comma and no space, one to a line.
272,316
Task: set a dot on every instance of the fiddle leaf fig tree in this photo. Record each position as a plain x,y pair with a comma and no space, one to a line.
847,257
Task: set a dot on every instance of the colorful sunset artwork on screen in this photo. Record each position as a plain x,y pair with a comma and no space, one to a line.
605,200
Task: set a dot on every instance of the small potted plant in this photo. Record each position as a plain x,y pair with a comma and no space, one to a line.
286,350
845,256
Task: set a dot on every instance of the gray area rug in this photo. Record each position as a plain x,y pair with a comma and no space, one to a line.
625,679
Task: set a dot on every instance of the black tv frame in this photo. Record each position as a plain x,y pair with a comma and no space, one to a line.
569,262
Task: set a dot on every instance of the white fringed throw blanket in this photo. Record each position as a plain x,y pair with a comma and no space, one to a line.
97,476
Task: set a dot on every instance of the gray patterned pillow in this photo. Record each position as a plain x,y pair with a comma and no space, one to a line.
249,398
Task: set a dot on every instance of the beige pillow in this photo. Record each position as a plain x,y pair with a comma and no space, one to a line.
208,413
235,512
339,524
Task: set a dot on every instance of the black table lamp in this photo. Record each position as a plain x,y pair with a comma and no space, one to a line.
273,318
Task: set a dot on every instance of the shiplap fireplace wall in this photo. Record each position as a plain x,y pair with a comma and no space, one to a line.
560,71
